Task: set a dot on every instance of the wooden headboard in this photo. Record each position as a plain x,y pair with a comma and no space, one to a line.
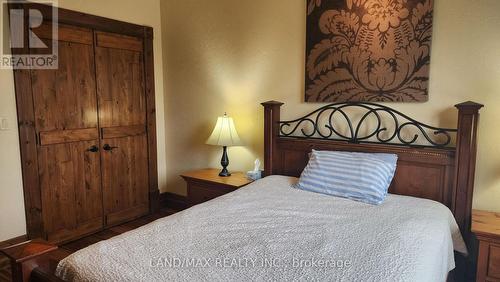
428,167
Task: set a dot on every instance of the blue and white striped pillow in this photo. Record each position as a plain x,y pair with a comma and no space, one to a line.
362,177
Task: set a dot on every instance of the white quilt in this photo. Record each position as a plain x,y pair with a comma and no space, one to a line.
269,231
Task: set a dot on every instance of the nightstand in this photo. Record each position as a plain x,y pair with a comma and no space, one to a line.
206,184
486,226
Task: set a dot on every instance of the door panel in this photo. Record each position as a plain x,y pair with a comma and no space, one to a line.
65,98
122,122
70,135
123,131
119,41
120,87
71,189
65,107
66,33
125,178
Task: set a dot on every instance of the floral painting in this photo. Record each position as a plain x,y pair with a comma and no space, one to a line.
368,50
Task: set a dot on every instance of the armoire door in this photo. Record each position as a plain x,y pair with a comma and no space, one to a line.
122,121
66,124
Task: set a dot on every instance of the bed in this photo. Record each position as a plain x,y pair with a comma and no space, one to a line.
271,231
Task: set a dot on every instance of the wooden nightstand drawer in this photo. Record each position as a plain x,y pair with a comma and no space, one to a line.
206,184
198,194
494,261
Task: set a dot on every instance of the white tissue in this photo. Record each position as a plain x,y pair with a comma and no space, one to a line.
255,174
256,167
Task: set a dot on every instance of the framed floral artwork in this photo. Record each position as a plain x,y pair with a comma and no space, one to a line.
368,50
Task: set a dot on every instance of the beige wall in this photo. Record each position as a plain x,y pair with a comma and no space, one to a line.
226,55
12,220
144,12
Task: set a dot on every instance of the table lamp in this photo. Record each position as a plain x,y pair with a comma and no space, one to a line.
224,135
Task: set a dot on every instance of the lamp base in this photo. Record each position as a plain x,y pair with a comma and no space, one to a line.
224,162
224,173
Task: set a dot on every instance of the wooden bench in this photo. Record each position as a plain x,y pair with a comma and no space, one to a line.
34,260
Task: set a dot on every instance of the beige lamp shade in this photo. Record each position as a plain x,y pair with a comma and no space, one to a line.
224,133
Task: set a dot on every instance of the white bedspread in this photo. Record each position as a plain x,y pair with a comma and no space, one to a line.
271,231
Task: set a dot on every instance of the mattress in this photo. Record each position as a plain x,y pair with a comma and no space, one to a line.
270,231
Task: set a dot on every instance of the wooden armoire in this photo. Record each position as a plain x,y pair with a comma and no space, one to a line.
87,128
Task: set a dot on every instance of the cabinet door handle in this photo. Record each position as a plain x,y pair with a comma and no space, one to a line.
93,149
107,147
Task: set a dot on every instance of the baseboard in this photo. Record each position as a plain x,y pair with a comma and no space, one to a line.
13,241
174,201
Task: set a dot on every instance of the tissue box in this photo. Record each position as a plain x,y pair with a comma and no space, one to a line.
254,175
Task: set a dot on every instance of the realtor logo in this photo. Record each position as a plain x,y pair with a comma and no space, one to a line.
29,35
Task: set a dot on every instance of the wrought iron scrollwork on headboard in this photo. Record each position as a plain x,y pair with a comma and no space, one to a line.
329,121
